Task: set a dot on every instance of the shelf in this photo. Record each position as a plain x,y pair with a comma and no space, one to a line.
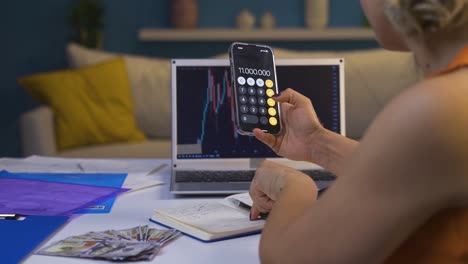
284,34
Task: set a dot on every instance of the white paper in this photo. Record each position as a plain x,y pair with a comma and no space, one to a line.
241,197
102,165
21,165
140,173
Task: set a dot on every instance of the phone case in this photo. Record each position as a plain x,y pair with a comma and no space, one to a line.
255,109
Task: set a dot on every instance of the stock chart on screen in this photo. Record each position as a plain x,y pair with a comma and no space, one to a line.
206,126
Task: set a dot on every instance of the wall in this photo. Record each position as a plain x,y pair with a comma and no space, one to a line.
124,22
33,37
34,34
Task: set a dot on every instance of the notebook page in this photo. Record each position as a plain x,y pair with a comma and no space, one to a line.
241,197
211,216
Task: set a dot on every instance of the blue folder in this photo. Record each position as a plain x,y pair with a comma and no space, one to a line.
21,237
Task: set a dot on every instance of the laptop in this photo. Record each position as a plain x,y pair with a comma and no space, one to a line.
208,155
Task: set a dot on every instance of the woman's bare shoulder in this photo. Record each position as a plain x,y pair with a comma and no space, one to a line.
434,117
445,103
439,104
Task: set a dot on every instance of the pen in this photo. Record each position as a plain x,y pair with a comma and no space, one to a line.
321,191
158,168
263,216
9,216
80,167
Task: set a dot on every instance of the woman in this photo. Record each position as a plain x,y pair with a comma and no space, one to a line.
401,195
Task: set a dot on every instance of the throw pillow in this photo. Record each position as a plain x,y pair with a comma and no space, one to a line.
150,81
92,105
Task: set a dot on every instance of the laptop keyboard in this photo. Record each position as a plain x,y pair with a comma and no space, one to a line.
240,176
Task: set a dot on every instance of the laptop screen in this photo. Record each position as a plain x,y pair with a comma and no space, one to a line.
206,124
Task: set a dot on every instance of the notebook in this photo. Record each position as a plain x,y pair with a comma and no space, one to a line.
208,155
211,220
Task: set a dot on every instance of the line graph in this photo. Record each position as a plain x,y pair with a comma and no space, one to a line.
218,94
206,126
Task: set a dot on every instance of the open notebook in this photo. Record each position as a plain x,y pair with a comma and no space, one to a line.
211,221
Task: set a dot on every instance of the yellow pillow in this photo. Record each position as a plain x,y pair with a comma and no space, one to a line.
92,105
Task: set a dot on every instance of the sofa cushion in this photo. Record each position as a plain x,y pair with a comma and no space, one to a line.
150,82
91,105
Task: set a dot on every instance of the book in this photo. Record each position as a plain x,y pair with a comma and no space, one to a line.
211,220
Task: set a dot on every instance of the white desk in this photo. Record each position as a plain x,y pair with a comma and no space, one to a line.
135,209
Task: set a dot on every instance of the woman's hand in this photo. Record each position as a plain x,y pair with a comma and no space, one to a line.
270,178
300,125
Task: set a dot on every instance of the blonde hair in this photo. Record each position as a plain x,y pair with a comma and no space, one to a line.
422,17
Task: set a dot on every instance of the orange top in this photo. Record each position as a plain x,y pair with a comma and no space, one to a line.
444,238
461,60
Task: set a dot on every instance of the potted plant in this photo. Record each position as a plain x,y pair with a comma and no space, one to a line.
87,19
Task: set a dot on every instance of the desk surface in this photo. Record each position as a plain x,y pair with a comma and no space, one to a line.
135,209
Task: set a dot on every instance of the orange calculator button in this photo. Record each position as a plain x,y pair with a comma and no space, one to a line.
269,83
271,102
272,111
270,92
273,121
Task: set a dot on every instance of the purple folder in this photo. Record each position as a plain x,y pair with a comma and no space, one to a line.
35,197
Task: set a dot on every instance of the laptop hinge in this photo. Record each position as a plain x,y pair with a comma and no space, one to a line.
255,163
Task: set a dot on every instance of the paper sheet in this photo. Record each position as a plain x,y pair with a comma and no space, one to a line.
22,165
241,197
99,165
141,173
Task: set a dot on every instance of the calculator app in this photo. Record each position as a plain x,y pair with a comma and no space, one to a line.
255,85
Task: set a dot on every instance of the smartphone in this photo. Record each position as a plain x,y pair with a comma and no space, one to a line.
254,83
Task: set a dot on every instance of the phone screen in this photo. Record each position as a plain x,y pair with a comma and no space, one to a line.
254,81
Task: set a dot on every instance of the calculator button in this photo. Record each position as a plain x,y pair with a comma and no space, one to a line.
241,80
252,91
261,92
244,109
270,92
263,120
243,99
272,111
273,121
261,101
251,119
242,90
269,83
253,110
251,81
260,83
252,100
262,110
271,102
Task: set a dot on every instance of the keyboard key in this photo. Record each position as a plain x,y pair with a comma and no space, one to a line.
240,176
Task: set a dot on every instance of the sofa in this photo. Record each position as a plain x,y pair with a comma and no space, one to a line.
372,78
